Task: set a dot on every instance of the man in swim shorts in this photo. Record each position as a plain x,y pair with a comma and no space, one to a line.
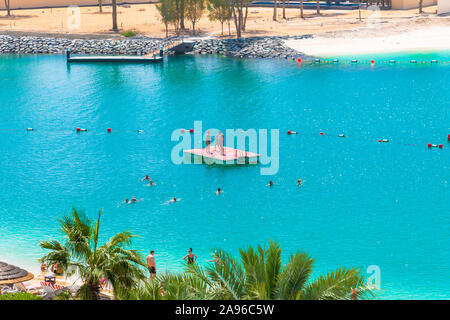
151,264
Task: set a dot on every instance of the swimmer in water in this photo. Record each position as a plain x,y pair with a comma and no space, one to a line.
150,183
173,199
299,182
270,184
127,201
218,191
133,199
190,257
146,178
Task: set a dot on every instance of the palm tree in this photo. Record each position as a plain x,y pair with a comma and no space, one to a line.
100,6
284,9
318,6
114,15
420,6
112,261
169,286
259,274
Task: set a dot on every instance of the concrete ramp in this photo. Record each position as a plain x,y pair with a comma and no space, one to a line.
182,47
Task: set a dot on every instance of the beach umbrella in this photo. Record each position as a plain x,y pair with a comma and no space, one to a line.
10,274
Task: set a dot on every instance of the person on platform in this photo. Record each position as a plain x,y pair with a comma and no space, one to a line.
208,141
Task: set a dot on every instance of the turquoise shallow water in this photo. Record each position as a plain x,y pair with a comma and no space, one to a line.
363,203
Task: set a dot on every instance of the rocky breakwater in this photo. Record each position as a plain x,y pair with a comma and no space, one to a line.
261,47
266,47
44,45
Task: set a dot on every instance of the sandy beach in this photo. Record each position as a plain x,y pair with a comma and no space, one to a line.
336,32
418,34
423,40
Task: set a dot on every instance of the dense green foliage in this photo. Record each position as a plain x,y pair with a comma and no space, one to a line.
19,296
259,274
111,262
129,33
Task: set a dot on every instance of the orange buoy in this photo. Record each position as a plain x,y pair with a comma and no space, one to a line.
321,133
182,130
78,129
109,129
429,145
191,130
372,61
299,60
440,146
448,137
289,132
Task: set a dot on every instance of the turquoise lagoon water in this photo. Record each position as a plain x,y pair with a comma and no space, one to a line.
363,203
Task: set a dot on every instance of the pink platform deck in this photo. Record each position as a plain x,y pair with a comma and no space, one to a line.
229,156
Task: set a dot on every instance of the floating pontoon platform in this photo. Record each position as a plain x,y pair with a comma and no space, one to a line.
122,59
117,59
228,156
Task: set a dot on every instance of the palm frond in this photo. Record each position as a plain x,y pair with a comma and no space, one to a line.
338,285
228,274
294,276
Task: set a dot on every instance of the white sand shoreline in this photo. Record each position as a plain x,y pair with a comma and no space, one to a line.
427,39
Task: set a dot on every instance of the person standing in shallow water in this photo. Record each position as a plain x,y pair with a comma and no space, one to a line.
217,143
208,141
190,258
222,144
151,264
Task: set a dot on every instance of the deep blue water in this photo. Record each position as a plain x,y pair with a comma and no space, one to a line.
362,203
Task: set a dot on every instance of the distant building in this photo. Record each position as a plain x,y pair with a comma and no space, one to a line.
411,4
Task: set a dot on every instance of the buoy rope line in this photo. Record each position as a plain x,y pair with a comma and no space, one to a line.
81,131
365,61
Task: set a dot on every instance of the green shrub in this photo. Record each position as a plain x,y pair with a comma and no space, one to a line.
19,296
129,33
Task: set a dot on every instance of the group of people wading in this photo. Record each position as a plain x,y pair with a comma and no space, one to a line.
219,143
190,258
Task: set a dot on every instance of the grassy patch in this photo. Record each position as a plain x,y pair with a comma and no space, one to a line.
19,296
129,33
